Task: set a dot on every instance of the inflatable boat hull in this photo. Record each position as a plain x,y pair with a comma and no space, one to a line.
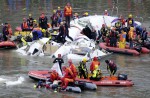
7,44
105,81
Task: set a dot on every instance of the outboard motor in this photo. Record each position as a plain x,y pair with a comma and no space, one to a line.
138,48
122,77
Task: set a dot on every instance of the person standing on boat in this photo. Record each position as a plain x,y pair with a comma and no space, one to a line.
59,60
131,36
111,67
144,35
122,21
5,32
122,39
96,75
94,64
68,13
67,31
82,69
113,38
43,21
73,68
30,21
138,30
130,21
67,78
103,32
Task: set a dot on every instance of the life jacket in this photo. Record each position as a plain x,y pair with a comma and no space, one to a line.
112,64
25,25
123,36
68,11
68,73
130,34
96,73
54,76
82,66
130,22
94,65
123,21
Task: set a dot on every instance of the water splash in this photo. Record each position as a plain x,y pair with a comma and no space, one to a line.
19,81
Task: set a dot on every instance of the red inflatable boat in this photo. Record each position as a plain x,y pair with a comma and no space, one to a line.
105,81
124,51
109,81
7,44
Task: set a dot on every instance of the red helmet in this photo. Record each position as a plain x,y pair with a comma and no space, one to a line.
95,58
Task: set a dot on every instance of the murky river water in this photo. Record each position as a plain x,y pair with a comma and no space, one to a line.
14,67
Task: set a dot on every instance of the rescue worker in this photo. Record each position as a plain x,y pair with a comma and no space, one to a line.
144,35
37,34
24,25
118,27
61,36
73,68
94,63
76,16
43,21
106,13
59,60
131,36
30,21
138,30
67,31
5,32
54,76
122,39
111,67
85,14
113,38
122,21
96,75
68,13
67,78
35,25
82,69
103,32
54,19
130,21
44,33
93,34
10,31
107,38
59,13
